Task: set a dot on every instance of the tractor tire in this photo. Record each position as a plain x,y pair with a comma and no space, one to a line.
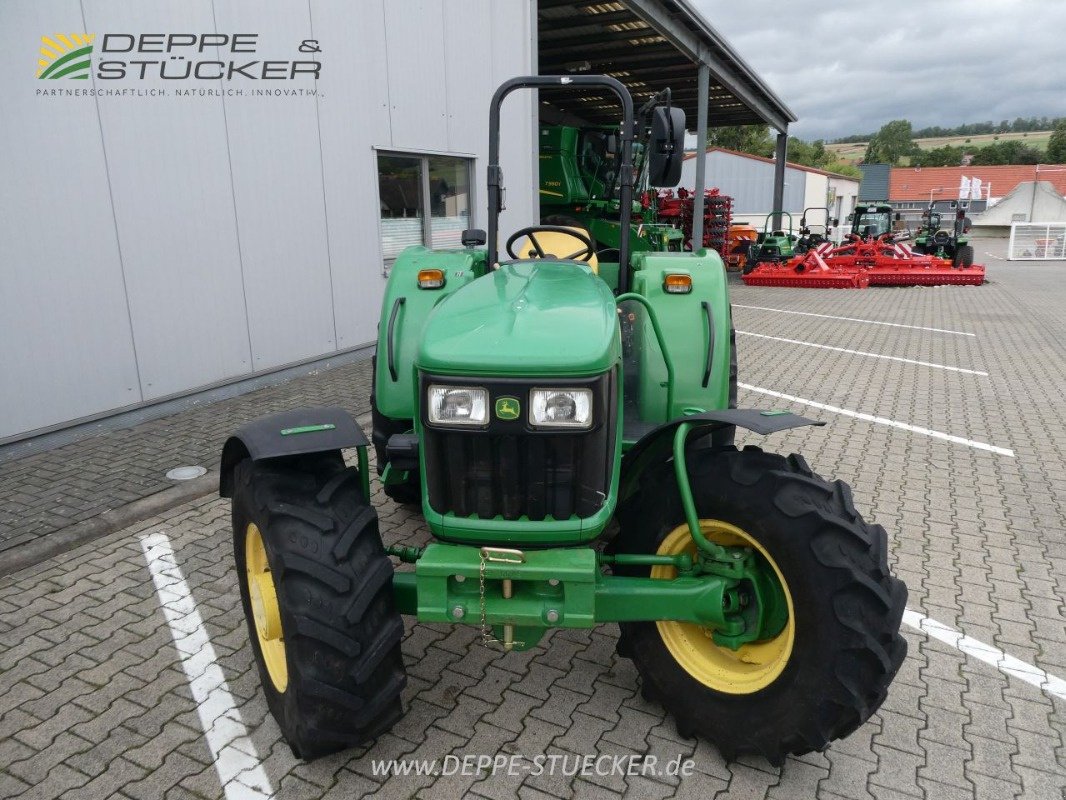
409,491
328,649
963,256
843,641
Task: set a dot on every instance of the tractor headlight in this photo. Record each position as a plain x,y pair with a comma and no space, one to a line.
560,408
458,405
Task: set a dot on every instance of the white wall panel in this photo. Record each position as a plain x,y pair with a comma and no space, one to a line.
277,184
66,349
354,113
418,97
170,181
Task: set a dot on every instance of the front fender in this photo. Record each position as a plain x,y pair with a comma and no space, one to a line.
290,433
657,445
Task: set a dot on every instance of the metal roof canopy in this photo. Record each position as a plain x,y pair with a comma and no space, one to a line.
650,45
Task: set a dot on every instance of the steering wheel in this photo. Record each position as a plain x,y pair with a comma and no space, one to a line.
941,238
584,254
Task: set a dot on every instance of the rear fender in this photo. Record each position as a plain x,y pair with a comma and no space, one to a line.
695,328
291,433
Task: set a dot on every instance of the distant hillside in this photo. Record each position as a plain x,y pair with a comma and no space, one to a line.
852,152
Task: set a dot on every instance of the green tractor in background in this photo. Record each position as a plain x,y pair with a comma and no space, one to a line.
954,245
580,182
773,244
565,425
871,220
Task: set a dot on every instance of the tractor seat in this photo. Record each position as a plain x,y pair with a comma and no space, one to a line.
557,244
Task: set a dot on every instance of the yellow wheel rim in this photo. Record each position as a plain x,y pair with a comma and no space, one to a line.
751,667
265,612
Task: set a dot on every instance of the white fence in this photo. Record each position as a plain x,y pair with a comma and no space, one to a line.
1034,241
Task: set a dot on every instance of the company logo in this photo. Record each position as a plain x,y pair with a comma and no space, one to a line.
508,408
65,55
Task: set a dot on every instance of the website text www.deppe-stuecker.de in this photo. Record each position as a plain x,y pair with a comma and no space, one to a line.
569,765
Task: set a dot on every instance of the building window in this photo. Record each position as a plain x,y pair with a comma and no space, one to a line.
424,200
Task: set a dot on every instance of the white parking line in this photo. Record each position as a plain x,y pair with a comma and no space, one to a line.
906,426
864,353
239,767
1006,664
855,319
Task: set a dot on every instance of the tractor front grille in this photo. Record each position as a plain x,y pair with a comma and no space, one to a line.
512,471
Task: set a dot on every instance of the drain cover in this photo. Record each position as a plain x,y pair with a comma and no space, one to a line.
186,473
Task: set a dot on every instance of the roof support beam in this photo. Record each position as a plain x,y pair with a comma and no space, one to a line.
659,18
701,156
780,157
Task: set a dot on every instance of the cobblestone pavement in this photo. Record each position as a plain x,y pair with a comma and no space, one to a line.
45,492
94,701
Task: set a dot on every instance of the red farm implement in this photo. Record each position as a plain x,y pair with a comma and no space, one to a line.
861,262
678,209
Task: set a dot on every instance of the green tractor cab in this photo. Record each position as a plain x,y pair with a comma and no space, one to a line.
869,221
952,245
773,244
564,424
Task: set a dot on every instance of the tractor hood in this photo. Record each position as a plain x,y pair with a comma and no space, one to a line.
535,318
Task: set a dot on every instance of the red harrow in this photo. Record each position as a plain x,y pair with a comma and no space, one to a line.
861,262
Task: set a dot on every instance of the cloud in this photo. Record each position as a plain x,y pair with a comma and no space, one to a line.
852,67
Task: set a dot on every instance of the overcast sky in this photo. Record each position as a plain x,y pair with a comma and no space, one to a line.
850,67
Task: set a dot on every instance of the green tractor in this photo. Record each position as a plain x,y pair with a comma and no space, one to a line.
871,220
580,183
773,244
953,245
566,427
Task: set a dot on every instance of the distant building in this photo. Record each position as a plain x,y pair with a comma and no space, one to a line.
916,187
749,180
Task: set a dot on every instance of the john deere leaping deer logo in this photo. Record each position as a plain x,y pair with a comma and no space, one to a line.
65,55
507,408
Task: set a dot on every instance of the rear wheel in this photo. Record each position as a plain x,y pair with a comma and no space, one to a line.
316,587
963,256
829,668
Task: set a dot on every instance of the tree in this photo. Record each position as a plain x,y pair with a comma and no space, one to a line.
844,168
809,154
753,139
1056,146
892,142
946,156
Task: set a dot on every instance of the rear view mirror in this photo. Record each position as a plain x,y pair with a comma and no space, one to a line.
836,221
666,148
611,144
898,217
472,237
803,222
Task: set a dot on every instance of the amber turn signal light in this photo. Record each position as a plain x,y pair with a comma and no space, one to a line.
430,278
677,284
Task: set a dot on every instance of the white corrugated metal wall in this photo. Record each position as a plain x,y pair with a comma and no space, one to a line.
749,181
152,246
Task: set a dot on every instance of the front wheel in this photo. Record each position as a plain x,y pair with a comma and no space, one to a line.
828,668
964,256
316,587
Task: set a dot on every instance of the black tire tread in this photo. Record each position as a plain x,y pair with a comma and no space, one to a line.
865,603
334,584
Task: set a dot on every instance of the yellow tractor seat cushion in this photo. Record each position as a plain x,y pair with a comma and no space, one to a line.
558,244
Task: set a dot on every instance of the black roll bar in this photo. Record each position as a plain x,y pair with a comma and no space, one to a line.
495,176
